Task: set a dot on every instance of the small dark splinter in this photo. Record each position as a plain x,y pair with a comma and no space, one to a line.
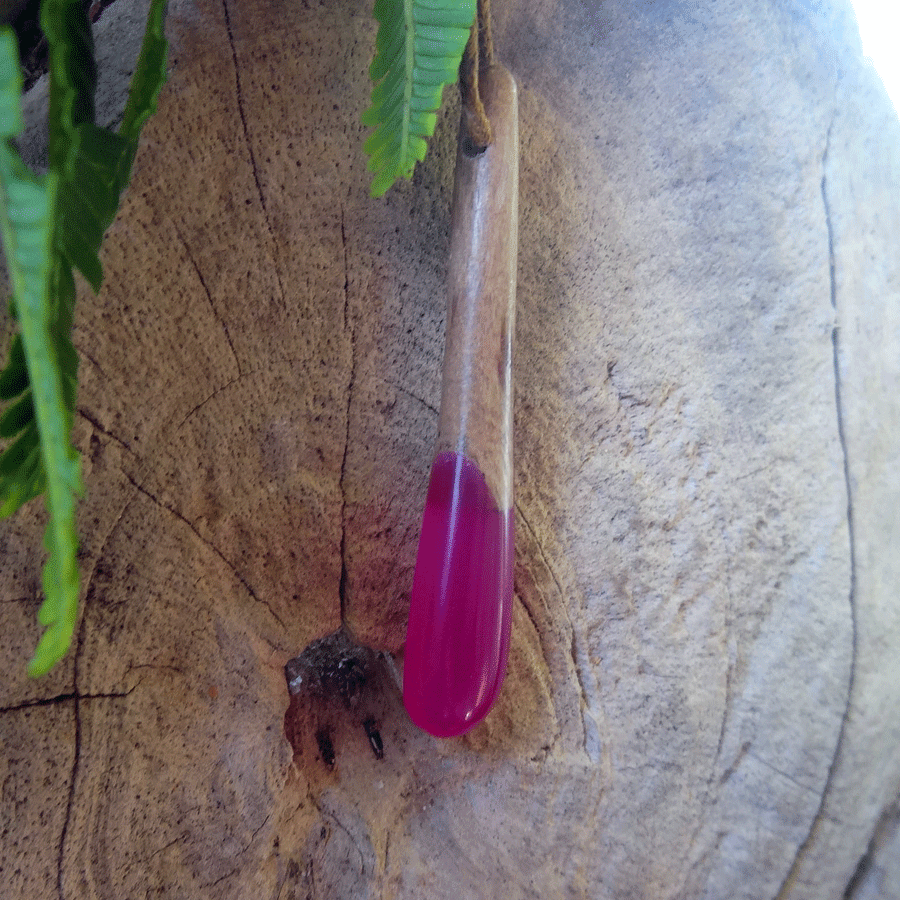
374,736
326,748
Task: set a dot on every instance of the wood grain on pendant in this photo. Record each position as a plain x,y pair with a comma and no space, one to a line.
476,403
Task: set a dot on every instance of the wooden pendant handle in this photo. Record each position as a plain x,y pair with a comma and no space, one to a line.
476,403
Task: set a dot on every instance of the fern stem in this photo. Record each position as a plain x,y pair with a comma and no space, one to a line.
408,83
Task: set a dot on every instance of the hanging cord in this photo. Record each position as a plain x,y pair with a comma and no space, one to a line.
477,58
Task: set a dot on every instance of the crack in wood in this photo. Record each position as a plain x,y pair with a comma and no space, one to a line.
786,775
584,706
95,424
729,685
329,816
84,354
547,565
725,707
239,97
793,872
68,697
415,397
221,878
88,585
209,544
215,394
348,327
184,836
76,698
534,624
156,667
73,778
76,763
209,298
241,852
887,824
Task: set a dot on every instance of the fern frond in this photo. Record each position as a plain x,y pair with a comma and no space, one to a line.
39,419
418,50
50,225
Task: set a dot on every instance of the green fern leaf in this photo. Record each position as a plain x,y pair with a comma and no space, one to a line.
149,75
418,51
51,225
73,74
39,418
95,162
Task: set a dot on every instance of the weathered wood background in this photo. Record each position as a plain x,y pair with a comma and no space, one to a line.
704,689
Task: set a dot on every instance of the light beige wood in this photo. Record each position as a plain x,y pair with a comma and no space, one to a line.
702,679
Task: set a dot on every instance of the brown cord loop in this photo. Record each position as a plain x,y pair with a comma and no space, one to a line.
478,56
485,32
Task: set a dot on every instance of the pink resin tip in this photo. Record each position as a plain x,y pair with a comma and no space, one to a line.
461,604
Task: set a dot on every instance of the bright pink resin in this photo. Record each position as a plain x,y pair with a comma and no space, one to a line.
461,604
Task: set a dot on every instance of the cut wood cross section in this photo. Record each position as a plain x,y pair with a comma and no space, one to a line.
702,694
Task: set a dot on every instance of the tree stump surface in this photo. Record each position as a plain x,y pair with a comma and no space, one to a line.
702,694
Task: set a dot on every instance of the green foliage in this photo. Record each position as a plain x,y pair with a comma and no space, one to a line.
52,225
418,51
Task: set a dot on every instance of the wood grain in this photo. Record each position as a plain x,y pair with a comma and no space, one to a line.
705,628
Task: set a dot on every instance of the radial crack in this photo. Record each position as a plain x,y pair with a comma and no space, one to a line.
213,395
415,397
207,543
209,298
76,763
77,697
92,421
239,96
348,327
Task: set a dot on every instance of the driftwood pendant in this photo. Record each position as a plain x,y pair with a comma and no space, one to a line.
461,603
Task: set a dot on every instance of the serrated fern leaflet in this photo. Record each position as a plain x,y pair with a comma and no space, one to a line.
50,225
418,50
